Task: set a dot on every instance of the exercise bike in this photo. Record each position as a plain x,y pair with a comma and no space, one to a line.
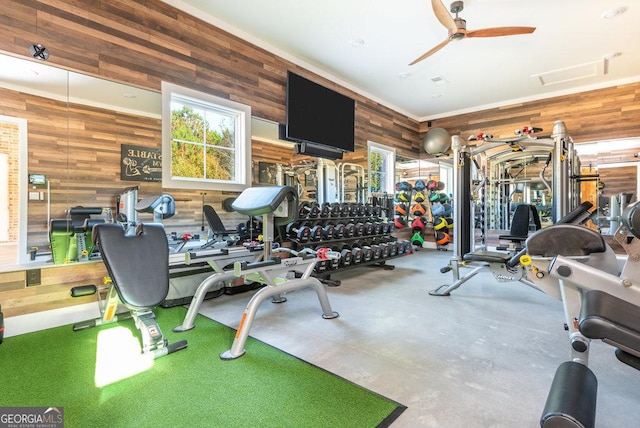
575,265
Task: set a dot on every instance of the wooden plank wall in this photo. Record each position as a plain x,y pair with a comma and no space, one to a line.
146,42
53,291
602,114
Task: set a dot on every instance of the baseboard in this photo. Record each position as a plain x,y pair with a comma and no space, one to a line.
21,324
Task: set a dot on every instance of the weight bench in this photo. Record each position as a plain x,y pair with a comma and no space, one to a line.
598,304
138,267
278,205
504,266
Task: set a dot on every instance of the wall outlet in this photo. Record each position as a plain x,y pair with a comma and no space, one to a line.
33,277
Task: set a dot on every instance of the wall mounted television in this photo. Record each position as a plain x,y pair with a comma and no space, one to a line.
319,115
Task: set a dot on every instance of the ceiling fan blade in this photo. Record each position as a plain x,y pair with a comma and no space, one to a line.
500,31
443,15
430,52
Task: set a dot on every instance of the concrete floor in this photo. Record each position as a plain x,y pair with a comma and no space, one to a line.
483,357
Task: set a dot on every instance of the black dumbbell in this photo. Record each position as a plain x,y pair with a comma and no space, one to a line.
356,255
338,231
325,209
377,227
385,250
368,228
315,233
327,231
345,254
336,209
349,230
304,209
377,251
298,232
367,253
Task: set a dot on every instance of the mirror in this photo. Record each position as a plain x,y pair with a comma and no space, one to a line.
76,130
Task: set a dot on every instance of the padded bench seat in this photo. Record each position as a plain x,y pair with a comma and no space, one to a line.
262,200
615,321
487,256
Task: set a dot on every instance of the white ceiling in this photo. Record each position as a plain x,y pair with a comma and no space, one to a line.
571,37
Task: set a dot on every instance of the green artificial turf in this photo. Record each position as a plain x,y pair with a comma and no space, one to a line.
100,379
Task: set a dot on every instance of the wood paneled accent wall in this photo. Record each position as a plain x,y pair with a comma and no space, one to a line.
602,114
146,42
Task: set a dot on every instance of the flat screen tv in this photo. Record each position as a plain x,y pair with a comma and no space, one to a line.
319,115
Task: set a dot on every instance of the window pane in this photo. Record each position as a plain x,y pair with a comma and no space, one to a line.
187,124
220,164
187,160
221,129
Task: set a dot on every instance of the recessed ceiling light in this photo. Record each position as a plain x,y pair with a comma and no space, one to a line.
356,43
404,74
436,95
613,13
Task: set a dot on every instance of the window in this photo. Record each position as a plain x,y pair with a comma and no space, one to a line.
206,141
381,168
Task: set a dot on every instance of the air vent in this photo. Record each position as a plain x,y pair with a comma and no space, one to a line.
437,80
576,72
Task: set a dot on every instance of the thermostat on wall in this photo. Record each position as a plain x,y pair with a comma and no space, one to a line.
37,179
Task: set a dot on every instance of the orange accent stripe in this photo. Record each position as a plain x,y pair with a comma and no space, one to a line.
244,317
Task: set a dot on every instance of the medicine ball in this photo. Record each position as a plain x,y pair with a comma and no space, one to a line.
436,141
443,197
401,209
442,238
399,222
449,222
417,224
432,184
418,209
403,186
419,197
419,185
437,209
440,223
447,209
440,185
417,239
402,197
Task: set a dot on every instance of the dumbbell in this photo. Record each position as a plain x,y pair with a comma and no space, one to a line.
368,228
325,209
336,209
377,251
377,227
349,230
393,248
327,231
315,233
385,250
308,210
357,228
298,232
338,231
346,257
367,253
356,255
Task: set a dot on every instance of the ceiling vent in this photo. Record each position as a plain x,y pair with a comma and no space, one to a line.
575,72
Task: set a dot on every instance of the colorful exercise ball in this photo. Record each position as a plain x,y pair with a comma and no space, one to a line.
437,141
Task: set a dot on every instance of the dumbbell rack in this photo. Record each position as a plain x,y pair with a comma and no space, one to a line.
359,231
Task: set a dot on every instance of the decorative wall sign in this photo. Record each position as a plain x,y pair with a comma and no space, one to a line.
267,173
140,163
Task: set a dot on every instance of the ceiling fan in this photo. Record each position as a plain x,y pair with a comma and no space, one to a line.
458,27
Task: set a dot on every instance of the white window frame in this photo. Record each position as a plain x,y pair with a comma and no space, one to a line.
390,160
239,113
